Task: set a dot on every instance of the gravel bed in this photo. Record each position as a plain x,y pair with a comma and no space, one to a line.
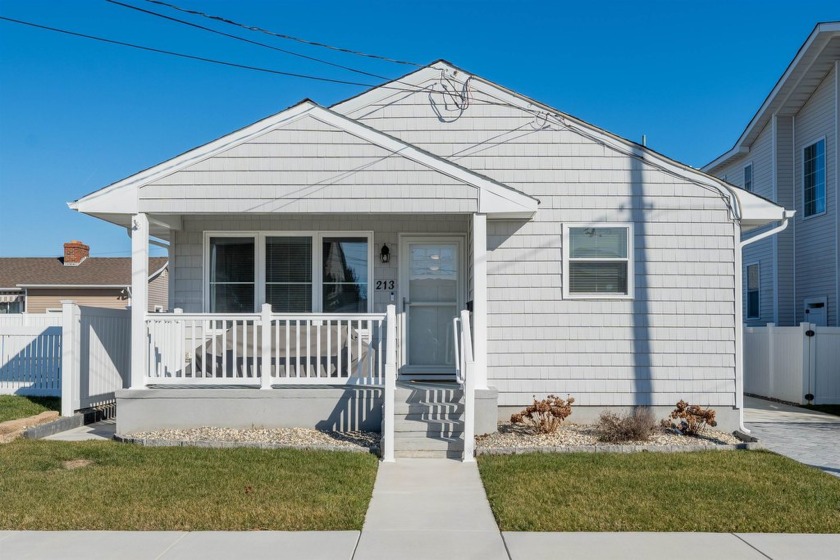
516,438
273,438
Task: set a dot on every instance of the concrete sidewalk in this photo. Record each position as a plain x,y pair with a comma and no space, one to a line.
409,544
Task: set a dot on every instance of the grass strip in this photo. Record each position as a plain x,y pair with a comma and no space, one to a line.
710,491
97,485
13,407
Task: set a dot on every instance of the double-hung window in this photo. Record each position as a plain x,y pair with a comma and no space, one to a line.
748,177
813,178
294,272
597,261
753,291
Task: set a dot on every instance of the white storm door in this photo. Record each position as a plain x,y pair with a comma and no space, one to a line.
431,293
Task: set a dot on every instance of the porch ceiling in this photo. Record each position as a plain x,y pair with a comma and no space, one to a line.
306,159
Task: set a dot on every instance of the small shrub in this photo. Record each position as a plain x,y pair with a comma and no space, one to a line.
690,419
546,415
637,425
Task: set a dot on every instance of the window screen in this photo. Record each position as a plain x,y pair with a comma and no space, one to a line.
598,260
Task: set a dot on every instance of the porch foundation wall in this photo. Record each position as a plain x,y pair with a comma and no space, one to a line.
727,417
324,408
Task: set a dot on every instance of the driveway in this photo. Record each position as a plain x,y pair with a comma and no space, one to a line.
803,435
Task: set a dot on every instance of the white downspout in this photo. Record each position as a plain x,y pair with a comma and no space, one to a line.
739,312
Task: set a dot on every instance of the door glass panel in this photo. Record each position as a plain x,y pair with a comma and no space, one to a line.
231,275
430,340
433,274
433,303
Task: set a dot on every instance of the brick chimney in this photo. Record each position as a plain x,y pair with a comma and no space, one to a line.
75,252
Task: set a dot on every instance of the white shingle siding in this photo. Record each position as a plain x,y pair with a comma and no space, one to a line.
674,340
816,241
303,167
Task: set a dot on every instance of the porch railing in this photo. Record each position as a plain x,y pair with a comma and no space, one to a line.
266,349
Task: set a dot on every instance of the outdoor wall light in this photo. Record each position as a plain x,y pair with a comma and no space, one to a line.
385,254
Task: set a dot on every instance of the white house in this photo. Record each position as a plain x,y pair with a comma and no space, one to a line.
788,154
592,266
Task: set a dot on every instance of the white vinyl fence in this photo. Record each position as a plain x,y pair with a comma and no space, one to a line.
793,363
81,355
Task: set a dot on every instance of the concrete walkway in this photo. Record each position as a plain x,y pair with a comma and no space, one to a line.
810,437
428,509
103,430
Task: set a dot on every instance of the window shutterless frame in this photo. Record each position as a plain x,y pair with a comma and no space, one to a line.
749,180
629,259
259,238
814,144
753,310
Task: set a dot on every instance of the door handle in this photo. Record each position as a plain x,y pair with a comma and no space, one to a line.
405,304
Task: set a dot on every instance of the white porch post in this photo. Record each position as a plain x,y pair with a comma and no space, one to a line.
139,298
479,251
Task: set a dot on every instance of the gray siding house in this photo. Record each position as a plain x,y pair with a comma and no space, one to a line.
592,266
788,154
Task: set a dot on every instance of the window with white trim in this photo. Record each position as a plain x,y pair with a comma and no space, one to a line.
813,178
753,291
294,272
598,261
748,177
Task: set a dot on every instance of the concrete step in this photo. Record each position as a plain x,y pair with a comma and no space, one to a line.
404,424
427,444
428,454
429,395
438,410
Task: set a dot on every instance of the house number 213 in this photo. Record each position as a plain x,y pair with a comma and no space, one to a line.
385,284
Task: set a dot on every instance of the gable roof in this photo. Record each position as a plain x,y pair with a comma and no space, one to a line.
118,200
93,272
803,75
751,210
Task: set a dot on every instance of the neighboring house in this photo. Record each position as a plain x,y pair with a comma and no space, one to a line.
38,284
789,154
593,266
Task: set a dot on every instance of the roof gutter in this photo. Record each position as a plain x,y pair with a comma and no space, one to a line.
787,216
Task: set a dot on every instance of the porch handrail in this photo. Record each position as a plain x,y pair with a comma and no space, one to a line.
465,375
265,348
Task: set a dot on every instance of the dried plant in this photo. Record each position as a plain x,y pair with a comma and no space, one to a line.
545,416
637,425
690,419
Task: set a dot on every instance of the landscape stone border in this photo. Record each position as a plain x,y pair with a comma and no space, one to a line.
233,444
616,449
62,424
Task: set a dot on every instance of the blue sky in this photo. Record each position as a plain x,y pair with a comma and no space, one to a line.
76,115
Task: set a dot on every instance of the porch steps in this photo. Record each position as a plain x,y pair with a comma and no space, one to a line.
429,420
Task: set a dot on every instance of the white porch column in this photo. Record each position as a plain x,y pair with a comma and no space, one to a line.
479,251
139,299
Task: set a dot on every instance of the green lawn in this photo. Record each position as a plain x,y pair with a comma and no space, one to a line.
712,491
13,407
96,485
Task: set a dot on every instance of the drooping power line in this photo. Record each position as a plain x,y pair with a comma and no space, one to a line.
243,39
187,56
284,36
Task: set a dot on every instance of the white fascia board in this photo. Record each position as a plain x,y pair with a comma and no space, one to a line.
759,117
122,197
500,197
393,88
756,211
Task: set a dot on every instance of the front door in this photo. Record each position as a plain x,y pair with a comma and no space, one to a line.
431,288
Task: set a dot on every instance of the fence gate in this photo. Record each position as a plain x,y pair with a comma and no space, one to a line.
795,364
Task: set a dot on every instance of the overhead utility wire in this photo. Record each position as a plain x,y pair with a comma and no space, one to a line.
187,56
283,36
243,39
